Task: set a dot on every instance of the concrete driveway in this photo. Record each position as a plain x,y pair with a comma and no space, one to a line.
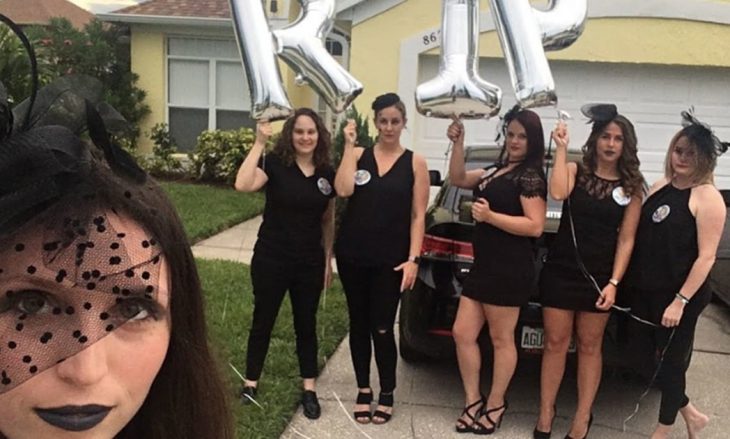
429,397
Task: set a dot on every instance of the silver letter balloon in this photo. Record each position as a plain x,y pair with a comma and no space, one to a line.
268,98
525,33
458,90
301,46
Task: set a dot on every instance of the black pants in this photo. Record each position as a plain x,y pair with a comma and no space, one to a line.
270,282
672,374
671,378
372,300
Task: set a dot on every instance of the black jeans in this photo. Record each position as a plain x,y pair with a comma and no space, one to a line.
372,300
270,282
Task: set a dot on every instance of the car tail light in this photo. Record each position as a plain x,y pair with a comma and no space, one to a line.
437,247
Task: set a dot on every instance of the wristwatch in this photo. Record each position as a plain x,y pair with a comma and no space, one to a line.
414,259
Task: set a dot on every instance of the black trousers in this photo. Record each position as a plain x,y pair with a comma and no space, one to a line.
271,280
372,300
671,378
672,374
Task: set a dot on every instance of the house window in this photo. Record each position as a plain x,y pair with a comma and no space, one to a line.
207,88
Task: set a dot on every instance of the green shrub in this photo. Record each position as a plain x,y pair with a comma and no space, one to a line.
162,163
219,154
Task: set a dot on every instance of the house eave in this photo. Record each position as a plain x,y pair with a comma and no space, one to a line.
165,20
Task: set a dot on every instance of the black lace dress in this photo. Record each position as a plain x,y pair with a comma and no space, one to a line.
504,264
598,208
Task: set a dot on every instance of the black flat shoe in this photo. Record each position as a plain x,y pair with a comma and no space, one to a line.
247,395
385,400
310,405
363,416
590,422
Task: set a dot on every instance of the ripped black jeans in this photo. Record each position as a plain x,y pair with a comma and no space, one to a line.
372,300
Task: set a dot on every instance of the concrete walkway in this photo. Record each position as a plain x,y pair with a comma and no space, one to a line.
428,398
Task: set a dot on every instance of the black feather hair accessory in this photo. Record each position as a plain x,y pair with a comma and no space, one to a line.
41,153
508,117
701,134
599,114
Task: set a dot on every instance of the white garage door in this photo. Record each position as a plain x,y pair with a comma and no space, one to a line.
651,96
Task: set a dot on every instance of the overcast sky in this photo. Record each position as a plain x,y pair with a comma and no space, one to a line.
98,6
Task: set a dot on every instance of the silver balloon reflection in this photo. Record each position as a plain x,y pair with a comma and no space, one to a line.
525,33
301,45
268,98
458,89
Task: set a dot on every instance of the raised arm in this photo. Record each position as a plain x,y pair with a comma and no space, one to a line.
345,178
458,175
562,177
707,205
250,177
624,248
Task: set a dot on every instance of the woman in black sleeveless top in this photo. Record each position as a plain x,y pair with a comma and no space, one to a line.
603,198
378,245
509,210
294,245
679,231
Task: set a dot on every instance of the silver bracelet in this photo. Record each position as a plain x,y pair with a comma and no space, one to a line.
682,298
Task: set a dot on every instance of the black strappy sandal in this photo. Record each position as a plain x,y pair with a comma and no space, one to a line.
463,426
481,429
386,400
363,416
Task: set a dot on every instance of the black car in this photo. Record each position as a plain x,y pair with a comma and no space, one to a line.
427,312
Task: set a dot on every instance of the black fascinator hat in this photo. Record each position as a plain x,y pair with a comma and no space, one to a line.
599,114
384,101
701,135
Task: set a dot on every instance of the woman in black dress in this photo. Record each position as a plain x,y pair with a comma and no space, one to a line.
509,210
378,245
294,246
603,198
679,231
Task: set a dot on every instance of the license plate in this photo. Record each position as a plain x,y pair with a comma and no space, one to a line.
533,340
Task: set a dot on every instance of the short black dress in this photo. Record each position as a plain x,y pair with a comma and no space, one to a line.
504,264
597,206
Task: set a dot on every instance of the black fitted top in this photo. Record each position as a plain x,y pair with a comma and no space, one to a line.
597,208
666,242
292,228
495,250
377,223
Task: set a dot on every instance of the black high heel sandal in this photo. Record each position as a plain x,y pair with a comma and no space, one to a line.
363,416
481,429
466,426
537,434
590,422
386,400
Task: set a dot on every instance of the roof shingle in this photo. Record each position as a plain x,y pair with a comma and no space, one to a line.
39,12
180,8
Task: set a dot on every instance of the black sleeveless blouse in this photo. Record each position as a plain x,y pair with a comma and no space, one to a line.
375,230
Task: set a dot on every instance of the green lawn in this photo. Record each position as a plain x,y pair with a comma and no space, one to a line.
206,210
227,287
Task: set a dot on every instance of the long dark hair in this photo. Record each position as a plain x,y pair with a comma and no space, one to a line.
535,137
284,147
628,164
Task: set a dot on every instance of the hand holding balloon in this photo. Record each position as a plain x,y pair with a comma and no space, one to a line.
560,135
263,132
455,133
350,132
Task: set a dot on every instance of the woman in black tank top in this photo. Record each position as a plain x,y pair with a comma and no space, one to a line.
602,201
679,231
509,211
378,245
